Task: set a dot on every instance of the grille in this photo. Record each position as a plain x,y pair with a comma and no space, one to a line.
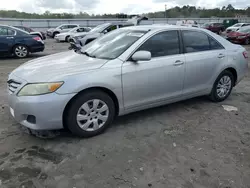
13,85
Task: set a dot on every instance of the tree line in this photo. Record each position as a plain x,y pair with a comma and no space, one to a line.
176,12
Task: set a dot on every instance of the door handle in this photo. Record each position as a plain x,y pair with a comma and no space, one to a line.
178,62
9,37
221,56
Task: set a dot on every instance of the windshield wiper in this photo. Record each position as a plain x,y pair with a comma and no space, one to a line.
87,54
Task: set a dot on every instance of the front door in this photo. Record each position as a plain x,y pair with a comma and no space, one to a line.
161,78
6,40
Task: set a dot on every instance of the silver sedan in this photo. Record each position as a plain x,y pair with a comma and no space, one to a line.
124,71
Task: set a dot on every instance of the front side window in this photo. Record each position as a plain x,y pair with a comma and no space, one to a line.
3,31
162,44
214,45
113,44
195,41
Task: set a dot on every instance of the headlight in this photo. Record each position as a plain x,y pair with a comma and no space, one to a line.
39,88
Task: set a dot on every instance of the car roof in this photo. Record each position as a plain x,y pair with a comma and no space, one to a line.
161,27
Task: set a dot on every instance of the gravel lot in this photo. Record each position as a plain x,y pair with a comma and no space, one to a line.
190,144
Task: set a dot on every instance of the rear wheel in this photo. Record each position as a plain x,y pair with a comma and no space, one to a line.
21,51
222,87
90,114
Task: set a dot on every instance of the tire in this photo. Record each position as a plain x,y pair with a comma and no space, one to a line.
89,115
21,51
223,94
54,34
67,39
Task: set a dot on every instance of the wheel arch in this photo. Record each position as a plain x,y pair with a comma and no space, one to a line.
234,72
103,89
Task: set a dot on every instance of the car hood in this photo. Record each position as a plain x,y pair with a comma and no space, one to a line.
56,67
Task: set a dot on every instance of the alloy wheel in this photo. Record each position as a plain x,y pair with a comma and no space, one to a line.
21,51
224,86
92,115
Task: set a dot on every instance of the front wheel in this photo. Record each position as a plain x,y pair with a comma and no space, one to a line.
90,113
222,87
21,51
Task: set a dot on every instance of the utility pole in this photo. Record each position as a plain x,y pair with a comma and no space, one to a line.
165,11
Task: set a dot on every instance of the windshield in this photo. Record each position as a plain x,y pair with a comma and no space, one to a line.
237,25
113,44
244,30
100,28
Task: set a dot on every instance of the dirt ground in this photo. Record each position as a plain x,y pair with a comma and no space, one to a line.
190,144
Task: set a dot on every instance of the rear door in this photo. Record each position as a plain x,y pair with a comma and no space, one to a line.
203,57
6,40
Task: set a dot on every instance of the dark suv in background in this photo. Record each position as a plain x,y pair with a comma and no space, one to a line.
214,27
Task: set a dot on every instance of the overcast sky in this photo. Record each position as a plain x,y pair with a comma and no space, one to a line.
111,6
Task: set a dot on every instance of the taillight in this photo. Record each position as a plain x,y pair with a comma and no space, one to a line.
37,38
245,54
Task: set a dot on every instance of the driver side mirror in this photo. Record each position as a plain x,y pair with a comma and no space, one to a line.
142,56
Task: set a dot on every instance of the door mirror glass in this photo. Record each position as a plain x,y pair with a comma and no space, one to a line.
141,56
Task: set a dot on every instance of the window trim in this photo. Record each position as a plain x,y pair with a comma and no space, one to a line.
184,49
180,44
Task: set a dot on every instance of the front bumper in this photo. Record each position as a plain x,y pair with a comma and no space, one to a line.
43,112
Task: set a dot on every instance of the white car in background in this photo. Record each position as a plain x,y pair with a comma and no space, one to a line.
236,27
62,37
97,32
61,29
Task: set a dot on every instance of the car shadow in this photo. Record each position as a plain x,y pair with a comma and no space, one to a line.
31,56
128,120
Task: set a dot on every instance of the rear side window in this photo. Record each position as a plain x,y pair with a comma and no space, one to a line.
195,41
214,45
162,44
